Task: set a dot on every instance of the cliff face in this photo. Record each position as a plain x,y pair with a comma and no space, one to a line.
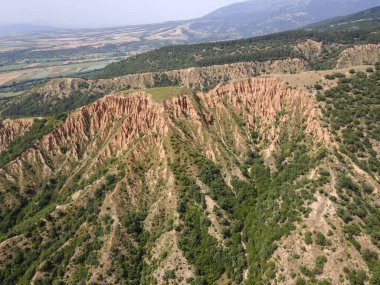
111,124
359,55
11,129
128,189
268,97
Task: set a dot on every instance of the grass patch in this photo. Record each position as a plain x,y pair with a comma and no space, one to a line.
161,94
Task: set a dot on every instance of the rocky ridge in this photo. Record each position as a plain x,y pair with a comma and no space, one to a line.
11,129
112,178
134,129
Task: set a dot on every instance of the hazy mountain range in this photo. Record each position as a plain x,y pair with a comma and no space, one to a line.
23,28
241,19
264,17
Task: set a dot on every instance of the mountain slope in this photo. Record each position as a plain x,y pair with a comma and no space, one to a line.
203,66
363,20
264,17
272,47
253,182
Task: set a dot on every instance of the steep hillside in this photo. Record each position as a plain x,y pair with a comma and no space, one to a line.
253,182
11,129
272,47
256,17
311,51
359,21
357,55
60,95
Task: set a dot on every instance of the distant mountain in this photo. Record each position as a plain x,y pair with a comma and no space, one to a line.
243,19
23,28
363,20
264,17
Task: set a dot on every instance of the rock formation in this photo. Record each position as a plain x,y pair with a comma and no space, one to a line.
11,129
359,55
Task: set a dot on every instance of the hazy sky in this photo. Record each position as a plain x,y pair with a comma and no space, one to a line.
95,13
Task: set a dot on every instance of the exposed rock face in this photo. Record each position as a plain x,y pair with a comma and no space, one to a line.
74,92
136,113
120,156
196,76
70,93
311,49
11,129
191,77
62,88
268,97
359,55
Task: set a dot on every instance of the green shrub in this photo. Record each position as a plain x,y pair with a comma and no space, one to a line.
308,238
321,239
318,87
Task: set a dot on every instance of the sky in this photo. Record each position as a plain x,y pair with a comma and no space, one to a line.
103,13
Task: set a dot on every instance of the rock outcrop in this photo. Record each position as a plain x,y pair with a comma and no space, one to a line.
123,170
59,95
112,124
11,129
359,55
310,49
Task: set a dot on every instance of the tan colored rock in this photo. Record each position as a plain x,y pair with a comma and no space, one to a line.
59,89
311,49
359,55
11,129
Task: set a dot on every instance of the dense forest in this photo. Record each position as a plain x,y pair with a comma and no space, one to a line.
353,111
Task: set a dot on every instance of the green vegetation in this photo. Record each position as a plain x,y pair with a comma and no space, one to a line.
35,103
321,239
201,249
308,238
20,86
64,242
363,20
318,268
250,217
271,47
252,211
161,94
353,112
39,128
